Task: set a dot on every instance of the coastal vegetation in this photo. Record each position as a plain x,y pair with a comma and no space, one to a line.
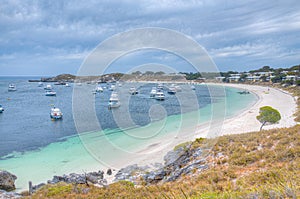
268,114
254,165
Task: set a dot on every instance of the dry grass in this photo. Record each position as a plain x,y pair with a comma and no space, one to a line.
263,164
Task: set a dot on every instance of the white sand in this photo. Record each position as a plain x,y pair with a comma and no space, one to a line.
244,122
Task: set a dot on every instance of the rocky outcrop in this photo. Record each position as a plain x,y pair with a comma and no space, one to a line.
92,177
7,181
131,173
182,161
9,195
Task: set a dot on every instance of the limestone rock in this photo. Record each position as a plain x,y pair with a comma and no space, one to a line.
7,181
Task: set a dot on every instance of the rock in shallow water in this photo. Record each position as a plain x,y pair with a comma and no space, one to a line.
7,181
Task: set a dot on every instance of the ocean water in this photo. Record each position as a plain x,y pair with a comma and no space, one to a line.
35,148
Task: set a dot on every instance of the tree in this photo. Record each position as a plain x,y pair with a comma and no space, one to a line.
137,73
268,114
159,73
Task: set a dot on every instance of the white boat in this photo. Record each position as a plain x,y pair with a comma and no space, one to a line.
55,113
193,87
40,84
67,85
99,89
178,88
172,90
133,91
159,95
1,109
50,93
112,88
114,101
160,87
12,87
48,87
153,92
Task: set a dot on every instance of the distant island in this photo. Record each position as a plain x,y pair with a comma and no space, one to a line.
266,74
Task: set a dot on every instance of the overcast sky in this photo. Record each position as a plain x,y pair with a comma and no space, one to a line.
53,37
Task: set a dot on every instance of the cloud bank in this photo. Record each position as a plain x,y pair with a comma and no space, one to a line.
51,37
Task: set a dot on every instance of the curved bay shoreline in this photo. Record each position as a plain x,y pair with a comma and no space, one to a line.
241,123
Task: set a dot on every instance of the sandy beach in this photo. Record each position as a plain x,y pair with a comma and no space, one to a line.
243,122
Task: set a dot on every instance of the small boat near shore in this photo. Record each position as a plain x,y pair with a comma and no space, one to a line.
40,84
112,88
56,113
99,89
48,87
12,87
114,101
160,86
133,91
50,93
1,109
153,92
172,90
60,83
160,96
244,92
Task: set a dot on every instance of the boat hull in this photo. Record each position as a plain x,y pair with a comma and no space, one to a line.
56,117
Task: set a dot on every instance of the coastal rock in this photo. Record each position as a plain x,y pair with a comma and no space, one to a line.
7,181
154,177
36,187
131,173
93,177
181,161
9,195
109,172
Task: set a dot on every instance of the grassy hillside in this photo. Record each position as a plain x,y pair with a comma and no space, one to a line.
254,165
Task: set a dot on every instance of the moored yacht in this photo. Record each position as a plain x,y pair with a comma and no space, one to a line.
112,87
159,95
133,91
99,89
160,86
50,93
12,87
114,101
153,92
172,90
48,87
1,109
56,113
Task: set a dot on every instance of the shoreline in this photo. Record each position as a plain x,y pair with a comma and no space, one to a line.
243,121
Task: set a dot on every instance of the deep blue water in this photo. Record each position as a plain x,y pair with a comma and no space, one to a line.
26,124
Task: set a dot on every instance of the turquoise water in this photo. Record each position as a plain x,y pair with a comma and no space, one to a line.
116,147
